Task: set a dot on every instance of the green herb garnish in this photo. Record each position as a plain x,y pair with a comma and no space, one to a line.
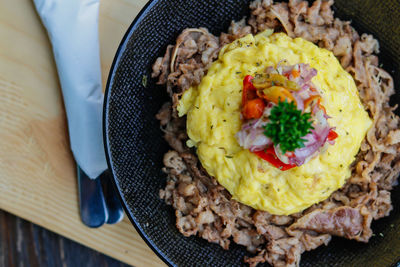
287,126
144,80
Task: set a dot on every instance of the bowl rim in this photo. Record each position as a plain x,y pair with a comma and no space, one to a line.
105,126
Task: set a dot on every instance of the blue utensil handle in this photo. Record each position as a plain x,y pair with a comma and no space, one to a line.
113,204
92,204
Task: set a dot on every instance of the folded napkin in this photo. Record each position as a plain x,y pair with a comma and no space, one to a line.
72,26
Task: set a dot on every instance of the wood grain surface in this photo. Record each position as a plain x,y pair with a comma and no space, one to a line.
37,171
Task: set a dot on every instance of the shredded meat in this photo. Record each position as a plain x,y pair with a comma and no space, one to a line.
174,128
186,62
206,209
236,30
342,221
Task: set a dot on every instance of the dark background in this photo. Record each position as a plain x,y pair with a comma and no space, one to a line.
25,244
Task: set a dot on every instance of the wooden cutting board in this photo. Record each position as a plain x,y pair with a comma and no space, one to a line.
37,171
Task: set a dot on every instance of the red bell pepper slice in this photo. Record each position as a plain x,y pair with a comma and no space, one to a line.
270,156
252,107
332,135
249,91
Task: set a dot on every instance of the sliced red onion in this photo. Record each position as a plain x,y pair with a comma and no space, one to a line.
315,109
304,94
299,101
260,142
310,139
280,155
256,123
253,139
306,74
320,122
314,141
267,110
260,123
307,152
304,87
309,75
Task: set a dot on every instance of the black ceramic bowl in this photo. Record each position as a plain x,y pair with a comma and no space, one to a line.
135,147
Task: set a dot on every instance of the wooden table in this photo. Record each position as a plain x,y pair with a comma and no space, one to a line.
37,171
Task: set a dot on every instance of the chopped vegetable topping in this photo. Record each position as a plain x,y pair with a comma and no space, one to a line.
285,122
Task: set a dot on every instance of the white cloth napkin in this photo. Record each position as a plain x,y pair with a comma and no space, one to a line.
72,26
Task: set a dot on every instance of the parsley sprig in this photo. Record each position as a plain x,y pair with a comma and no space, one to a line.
287,126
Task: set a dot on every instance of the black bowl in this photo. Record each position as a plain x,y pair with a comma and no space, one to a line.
135,147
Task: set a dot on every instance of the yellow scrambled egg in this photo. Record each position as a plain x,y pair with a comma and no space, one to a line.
213,118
